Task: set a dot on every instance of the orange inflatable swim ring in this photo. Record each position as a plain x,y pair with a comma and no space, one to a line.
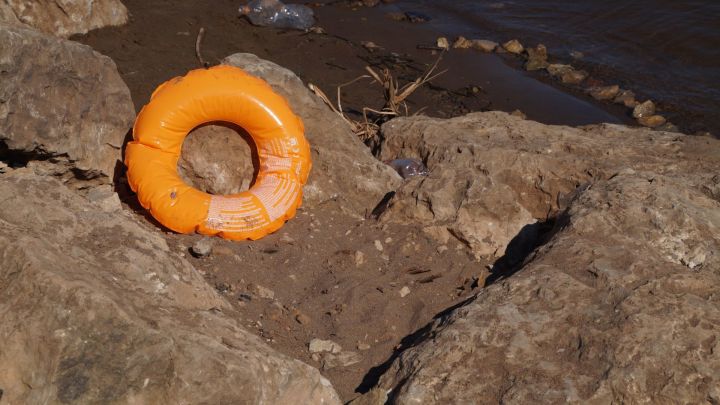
221,93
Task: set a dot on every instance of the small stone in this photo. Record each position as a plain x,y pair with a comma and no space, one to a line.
645,109
558,69
317,30
537,58
513,46
342,359
443,43
668,127
285,238
302,319
378,245
462,43
363,346
441,248
484,45
518,113
359,258
604,92
574,76
222,251
652,121
320,346
261,291
404,291
396,16
202,247
370,46
626,98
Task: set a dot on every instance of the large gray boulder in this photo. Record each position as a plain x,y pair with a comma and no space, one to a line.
61,101
493,175
343,169
63,17
97,309
621,306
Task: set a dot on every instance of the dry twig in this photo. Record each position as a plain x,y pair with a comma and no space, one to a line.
395,97
198,42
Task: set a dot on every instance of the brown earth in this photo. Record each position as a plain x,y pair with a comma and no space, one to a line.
334,272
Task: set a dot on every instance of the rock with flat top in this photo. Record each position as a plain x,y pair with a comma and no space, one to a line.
606,312
321,346
116,316
63,18
63,103
493,178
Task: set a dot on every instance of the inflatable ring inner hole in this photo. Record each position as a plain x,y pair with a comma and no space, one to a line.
219,158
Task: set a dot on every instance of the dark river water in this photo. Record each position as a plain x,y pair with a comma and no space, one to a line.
666,50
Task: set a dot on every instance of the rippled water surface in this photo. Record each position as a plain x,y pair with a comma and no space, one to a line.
667,50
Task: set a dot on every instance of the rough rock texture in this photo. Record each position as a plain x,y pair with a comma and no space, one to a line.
493,175
218,159
63,17
343,168
97,309
60,100
620,306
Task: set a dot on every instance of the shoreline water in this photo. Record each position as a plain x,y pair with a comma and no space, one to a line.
663,51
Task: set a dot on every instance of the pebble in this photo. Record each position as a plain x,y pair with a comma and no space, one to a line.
285,238
462,43
574,76
652,121
342,359
626,98
320,346
604,92
378,245
519,114
261,291
359,258
537,58
223,251
484,45
370,46
645,109
202,247
363,346
558,69
513,46
443,43
302,319
668,127
404,291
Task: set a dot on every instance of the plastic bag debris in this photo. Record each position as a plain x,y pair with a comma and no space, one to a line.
274,13
408,167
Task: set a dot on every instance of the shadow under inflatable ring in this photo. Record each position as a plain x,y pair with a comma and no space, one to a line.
221,93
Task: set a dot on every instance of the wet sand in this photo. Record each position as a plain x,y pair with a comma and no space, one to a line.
159,43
